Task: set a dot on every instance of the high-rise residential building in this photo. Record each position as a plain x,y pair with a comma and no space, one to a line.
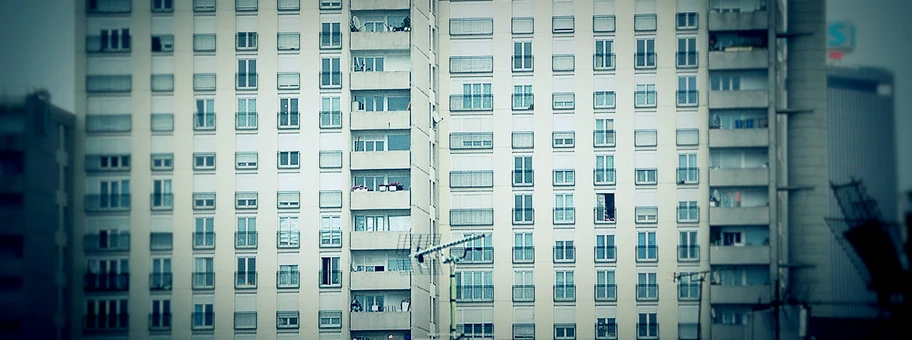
36,152
364,125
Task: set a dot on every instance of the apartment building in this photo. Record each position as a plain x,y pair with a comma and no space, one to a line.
359,124
36,152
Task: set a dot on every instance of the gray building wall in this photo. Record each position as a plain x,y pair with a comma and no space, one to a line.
35,148
862,146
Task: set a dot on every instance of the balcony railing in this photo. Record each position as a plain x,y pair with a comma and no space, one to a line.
688,214
246,81
688,291
203,280
564,215
475,293
688,253
647,253
109,202
524,254
330,278
202,320
523,63
523,293
605,292
523,101
203,240
603,62
604,215
604,138
647,292
603,176
94,45
523,216
476,255
564,293
647,330
523,178
245,120
106,322
566,254
605,254
288,279
160,281
159,321
245,240
119,241
288,120
688,175
644,60
471,102
245,280
162,201
688,98
107,282
687,60
288,239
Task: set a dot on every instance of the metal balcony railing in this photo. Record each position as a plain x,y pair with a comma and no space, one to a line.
604,215
330,278
245,240
604,176
525,254
523,293
605,292
647,253
605,254
203,280
688,253
245,280
162,201
160,281
203,240
288,120
523,215
159,321
106,203
566,254
647,292
688,176
107,282
603,62
288,279
475,293
564,293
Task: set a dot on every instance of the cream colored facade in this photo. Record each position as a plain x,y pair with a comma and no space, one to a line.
610,106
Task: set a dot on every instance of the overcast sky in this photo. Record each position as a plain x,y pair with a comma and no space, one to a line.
38,35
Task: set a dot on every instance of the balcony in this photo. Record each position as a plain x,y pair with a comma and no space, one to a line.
380,120
245,240
738,21
564,293
372,41
738,138
647,292
380,200
739,216
739,255
245,280
605,254
203,240
603,62
743,99
729,332
107,203
739,294
160,281
374,160
389,280
288,279
738,59
107,282
689,253
523,293
379,240
605,292
373,5
384,80
720,177
107,241
162,201
203,280
475,293
524,254
380,321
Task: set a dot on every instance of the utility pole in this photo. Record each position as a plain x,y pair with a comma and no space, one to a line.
701,276
451,260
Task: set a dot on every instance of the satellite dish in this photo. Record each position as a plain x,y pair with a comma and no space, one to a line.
356,22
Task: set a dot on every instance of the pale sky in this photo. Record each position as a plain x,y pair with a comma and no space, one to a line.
38,35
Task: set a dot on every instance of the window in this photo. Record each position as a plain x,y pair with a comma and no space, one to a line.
687,52
562,101
247,75
107,163
331,36
108,123
288,319
523,139
204,42
604,170
203,316
522,171
330,73
522,209
110,40
604,55
161,194
474,97
246,235
732,238
203,161
367,64
474,286
330,4
562,24
647,214
163,43
161,274
603,134
331,113
112,195
648,326
246,41
522,56
331,231
605,329
162,122
563,139
245,160
603,100
204,117
688,169
162,161
687,91
204,233
564,177
564,211
725,83
370,145
645,137
108,275
246,114
288,276
563,62
603,23
203,273
330,319
160,318
605,287
647,249
522,97
645,95
471,26
479,250
686,21
288,5
478,330
523,248
689,286
564,286
688,212
106,314
646,176
330,273
203,201
162,5
564,252
288,41
288,114
330,159
647,288
289,200
564,332
522,25
289,159
289,234
523,286
245,277
645,54
605,248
